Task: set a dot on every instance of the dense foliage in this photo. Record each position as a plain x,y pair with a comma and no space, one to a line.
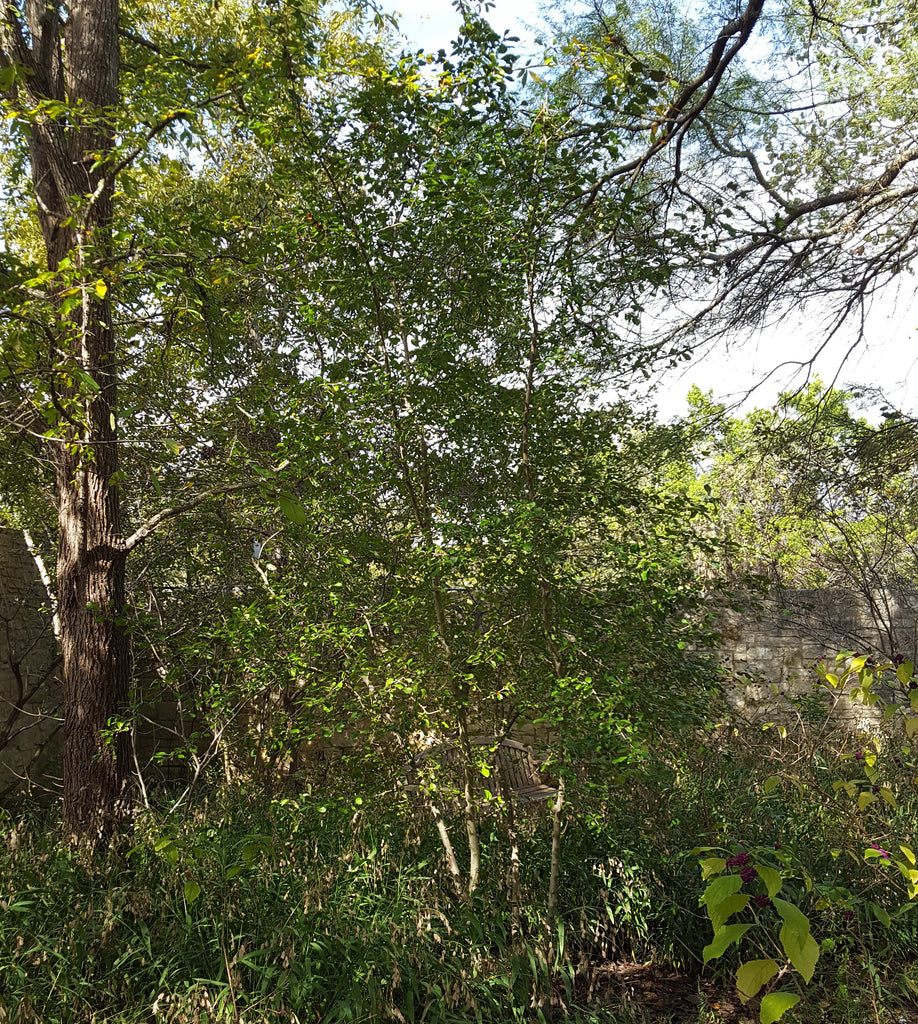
317,391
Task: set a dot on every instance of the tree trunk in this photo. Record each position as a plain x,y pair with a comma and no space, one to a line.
72,59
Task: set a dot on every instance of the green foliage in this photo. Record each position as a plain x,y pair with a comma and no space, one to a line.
863,800
806,494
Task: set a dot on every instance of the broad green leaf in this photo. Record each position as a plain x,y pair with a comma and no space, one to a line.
908,853
192,890
904,672
293,510
771,878
793,917
911,726
712,866
101,289
889,797
89,384
881,914
775,1004
803,955
909,873
752,975
170,852
718,890
730,906
726,936
771,783
865,799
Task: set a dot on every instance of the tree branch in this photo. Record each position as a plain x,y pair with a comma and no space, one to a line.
173,511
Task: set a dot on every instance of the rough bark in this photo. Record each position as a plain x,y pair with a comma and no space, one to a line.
71,57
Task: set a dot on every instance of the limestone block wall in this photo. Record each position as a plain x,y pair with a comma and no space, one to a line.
776,642
30,692
771,644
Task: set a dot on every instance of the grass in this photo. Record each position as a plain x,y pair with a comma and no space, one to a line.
295,909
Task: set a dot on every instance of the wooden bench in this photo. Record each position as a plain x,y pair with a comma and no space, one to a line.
516,767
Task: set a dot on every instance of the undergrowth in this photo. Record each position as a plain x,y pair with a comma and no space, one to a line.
305,909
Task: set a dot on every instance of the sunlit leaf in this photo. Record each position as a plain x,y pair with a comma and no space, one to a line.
725,937
752,975
775,1005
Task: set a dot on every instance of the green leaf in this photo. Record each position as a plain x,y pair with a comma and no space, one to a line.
904,672
802,954
89,384
292,509
775,1004
771,783
101,289
771,878
712,866
192,890
725,937
731,905
793,917
889,797
752,975
718,890
881,914
865,799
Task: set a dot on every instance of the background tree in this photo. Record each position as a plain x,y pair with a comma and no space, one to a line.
809,495
217,316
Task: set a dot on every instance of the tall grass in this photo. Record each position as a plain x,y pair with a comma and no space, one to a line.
305,909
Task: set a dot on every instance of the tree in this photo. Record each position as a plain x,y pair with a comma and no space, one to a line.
809,179
475,555
808,495
63,68
64,353
217,281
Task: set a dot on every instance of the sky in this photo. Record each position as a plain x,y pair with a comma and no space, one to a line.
750,371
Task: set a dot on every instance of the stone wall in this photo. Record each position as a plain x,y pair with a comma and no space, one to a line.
769,647
30,692
775,643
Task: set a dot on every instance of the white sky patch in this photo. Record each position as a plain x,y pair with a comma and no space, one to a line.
433,24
